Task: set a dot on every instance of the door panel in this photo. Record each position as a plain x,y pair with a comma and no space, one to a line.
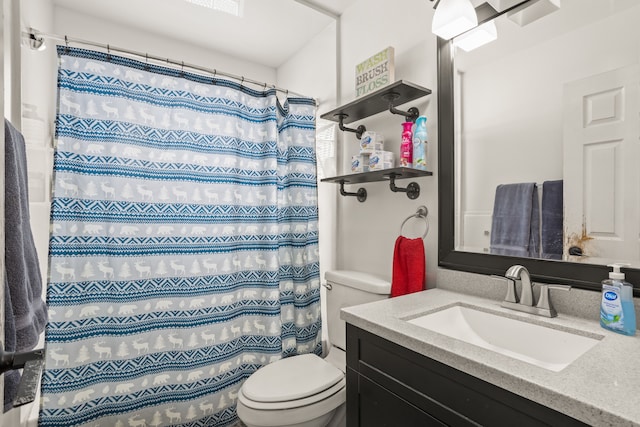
601,151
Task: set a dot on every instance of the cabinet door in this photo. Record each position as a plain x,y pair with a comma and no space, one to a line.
378,407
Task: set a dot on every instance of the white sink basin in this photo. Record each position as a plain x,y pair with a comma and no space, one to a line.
542,346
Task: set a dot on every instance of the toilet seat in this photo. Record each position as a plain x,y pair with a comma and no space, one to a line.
289,413
292,382
291,404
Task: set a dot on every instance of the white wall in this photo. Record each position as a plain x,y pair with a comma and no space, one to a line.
312,70
74,24
11,38
367,231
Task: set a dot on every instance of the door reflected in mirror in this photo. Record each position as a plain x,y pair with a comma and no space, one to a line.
548,137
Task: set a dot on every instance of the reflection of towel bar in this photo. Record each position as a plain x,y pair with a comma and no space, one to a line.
423,213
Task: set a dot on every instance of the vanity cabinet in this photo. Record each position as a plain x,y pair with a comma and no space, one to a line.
390,385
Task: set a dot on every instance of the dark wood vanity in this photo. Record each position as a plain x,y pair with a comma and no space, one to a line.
390,385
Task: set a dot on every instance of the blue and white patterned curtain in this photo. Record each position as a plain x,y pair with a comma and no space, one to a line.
184,247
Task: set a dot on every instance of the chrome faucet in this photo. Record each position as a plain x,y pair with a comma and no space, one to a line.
525,303
520,272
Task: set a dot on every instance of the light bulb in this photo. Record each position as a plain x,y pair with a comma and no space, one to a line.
453,17
477,37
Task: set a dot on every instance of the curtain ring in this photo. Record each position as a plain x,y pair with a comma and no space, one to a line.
146,61
182,70
241,81
108,53
66,44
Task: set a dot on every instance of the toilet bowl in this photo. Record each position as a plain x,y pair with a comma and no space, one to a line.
307,390
299,391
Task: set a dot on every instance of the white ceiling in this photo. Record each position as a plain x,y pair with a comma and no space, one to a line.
269,33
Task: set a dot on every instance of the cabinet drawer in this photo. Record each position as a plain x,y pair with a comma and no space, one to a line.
451,396
381,408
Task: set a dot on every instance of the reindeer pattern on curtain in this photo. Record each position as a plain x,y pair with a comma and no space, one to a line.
184,246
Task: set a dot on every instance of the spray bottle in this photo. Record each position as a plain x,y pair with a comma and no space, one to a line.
420,144
617,313
406,147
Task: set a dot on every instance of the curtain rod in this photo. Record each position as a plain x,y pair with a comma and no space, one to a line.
34,34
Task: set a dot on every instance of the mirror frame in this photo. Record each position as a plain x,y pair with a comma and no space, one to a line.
584,276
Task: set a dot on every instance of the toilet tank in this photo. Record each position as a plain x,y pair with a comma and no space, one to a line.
345,289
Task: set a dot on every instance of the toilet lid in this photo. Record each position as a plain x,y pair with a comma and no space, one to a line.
291,378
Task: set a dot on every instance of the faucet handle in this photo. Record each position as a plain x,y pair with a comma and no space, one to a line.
544,301
511,288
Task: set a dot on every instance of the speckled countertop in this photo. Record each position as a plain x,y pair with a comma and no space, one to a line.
601,387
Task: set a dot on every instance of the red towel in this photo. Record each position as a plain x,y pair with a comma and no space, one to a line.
408,267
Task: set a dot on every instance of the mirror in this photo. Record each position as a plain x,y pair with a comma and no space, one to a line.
543,103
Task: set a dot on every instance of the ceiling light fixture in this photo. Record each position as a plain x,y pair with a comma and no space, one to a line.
232,7
453,17
532,11
477,37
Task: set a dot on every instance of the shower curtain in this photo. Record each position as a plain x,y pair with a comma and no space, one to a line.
184,246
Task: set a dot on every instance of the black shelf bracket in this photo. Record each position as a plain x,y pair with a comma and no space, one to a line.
412,190
411,115
361,194
359,131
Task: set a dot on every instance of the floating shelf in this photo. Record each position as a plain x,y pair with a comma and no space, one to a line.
376,102
381,175
412,190
386,98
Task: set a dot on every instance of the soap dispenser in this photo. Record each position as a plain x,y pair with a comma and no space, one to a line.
617,313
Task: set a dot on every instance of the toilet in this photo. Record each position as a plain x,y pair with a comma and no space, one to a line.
307,390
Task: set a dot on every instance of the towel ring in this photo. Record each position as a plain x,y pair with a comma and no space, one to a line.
423,213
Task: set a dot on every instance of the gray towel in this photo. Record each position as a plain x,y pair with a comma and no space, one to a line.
515,226
26,312
551,237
